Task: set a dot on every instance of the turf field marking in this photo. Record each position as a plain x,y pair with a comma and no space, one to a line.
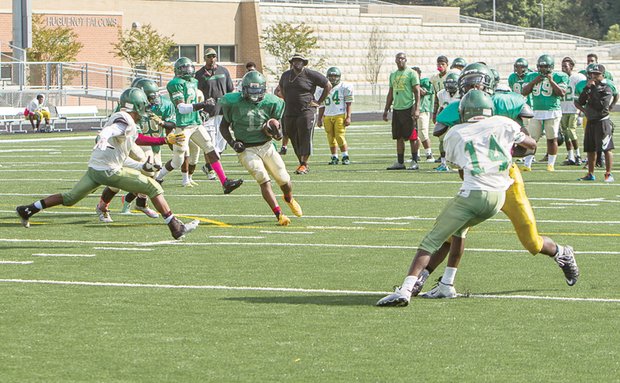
380,223
122,248
61,255
286,232
235,237
16,262
48,139
287,290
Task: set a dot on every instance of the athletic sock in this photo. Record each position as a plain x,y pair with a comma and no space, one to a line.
448,276
408,284
168,217
528,161
185,177
345,153
401,158
551,159
429,152
39,205
571,155
217,167
277,211
162,173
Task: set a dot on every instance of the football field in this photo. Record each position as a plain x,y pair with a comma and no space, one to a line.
244,300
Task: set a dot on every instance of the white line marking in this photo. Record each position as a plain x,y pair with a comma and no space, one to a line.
122,248
286,289
16,262
61,255
236,237
30,140
286,232
380,223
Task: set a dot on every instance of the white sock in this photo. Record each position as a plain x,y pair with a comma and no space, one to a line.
571,155
443,161
408,284
577,153
429,151
528,161
448,276
185,177
559,251
167,220
38,205
162,173
345,153
551,159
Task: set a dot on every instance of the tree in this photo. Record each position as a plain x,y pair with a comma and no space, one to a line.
372,66
143,47
613,34
281,40
51,44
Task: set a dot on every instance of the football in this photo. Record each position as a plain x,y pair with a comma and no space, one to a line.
272,129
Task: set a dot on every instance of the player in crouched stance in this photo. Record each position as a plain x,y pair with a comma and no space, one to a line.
110,165
253,118
481,146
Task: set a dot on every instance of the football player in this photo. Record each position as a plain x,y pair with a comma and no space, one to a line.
517,206
457,65
335,115
426,108
568,123
437,80
481,147
445,97
253,117
517,78
183,90
111,165
547,89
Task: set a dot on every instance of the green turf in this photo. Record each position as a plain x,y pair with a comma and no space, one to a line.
360,230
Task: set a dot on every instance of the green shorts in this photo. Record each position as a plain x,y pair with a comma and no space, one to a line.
568,123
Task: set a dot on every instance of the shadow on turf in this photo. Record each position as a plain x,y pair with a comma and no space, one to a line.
322,300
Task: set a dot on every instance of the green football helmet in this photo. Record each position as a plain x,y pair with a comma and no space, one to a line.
135,82
253,86
333,75
476,103
134,100
520,63
451,83
458,62
476,74
184,68
544,65
496,78
150,89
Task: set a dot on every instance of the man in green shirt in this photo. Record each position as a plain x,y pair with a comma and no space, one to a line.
404,98
247,114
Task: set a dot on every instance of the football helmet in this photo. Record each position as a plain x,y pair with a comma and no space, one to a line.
496,78
451,84
520,63
253,86
544,64
473,75
595,69
333,75
134,100
458,62
476,103
150,89
184,68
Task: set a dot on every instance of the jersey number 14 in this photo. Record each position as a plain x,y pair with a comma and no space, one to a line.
495,153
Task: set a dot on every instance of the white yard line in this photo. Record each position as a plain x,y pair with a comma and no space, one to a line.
61,255
286,289
121,248
16,262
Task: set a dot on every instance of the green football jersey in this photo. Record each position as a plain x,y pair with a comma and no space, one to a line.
402,82
542,94
247,118
184,91
507,104
427,101
516,85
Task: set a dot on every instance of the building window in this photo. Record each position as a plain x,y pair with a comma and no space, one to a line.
189,51
225,53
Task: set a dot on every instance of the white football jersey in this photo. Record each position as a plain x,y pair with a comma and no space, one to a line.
119,147
335,102
567,104
483,150
445,98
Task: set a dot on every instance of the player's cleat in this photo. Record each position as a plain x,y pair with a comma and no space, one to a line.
609,177
567,263
283,151
149,212
104,215
440,291
230,185
24,214
414,166
545,158
550,168
396,166
302,169
334,161
588,177
187,184
399,298
295,208
346,160
180,230
569,163
442,168
525,168
126,208
194,183
438,160
283,220
430,158
578,161
417,287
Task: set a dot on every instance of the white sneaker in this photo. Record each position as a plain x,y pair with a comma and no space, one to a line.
187,184
440,291
399,298
104,216
194,183
210,173
149,212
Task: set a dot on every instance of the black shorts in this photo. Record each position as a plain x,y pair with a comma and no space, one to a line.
402,124
598,136
299,130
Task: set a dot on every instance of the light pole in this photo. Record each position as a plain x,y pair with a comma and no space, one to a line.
542,17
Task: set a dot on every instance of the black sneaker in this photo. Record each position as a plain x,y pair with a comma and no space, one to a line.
569,163
334,161
179,230
24,213
230,185
397,166
346,160
578,161
567,263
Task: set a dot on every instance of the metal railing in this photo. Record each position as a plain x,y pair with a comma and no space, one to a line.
530,33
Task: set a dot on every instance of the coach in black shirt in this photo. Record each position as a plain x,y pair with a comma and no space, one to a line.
298,85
